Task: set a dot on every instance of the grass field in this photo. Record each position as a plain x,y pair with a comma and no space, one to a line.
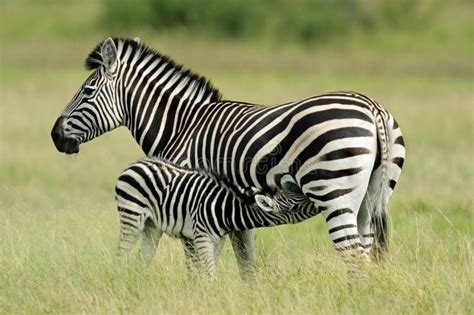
59,224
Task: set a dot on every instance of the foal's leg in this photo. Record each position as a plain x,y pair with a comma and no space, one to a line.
150,239
130,230
190,254
205,247
218,247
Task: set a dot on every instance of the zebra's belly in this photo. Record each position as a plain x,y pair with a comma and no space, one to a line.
177,227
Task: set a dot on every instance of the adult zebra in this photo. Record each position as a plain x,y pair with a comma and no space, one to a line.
344,150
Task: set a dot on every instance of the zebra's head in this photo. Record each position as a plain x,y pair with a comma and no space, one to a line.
289,197
93,110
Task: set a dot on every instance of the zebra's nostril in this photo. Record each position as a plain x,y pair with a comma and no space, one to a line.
57,131
56,135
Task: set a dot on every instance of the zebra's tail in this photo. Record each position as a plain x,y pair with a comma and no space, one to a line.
379,220
392,154
380,227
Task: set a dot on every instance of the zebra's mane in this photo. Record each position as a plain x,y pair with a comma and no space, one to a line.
94,61
246,196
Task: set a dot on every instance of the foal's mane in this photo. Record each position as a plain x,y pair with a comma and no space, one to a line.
245,195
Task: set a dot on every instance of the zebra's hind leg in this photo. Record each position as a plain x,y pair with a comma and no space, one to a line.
366,213
364,225
150,239
244,250
343,231
373,218
340,208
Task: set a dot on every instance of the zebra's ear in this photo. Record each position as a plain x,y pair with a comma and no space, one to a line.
108,52
288,183
137,40
264,202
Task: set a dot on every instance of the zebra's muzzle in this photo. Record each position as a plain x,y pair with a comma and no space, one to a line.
62,143
68,146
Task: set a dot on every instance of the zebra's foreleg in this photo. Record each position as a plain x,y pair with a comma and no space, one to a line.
150,239
244,250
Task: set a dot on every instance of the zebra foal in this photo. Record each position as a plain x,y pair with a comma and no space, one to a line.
155,197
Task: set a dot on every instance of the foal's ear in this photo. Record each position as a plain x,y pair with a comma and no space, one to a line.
251,191
108,52
264,202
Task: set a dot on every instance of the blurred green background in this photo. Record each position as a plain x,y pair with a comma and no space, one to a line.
414,57
57,212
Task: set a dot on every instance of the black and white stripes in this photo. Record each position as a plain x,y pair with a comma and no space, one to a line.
344,151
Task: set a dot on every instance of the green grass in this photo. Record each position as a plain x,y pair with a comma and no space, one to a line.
58,220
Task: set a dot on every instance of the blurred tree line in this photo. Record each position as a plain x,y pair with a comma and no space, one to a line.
296,20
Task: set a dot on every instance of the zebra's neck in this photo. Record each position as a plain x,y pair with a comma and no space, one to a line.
156,94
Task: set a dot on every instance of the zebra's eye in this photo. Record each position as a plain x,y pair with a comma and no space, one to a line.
88,90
